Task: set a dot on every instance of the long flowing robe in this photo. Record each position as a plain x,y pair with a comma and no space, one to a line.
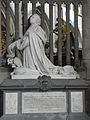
34,58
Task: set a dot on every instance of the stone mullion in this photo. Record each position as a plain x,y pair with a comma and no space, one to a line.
16,21
33,7
7,24
76,33
24,17
83,27
67,34
42,15
59,36
51,31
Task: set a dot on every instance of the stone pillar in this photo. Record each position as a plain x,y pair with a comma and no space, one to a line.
7,24
86,35
76,33
25,21
17,35
68,61
33,7
51,31
42,15
59,36
0,32
20,20
16,20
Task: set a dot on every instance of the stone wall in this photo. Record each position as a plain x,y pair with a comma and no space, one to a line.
86,36
4,73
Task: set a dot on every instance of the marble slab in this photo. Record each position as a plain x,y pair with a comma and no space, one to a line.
36,76
24,76
11,103
44,102
76,102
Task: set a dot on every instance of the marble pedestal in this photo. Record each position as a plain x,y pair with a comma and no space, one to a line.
14,77
44,98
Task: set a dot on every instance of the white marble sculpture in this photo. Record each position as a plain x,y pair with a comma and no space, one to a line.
34,59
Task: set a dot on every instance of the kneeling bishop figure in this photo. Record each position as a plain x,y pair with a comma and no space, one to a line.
34,60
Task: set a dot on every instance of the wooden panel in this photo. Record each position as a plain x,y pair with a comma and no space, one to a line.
51,31
59,36
76,32
67,35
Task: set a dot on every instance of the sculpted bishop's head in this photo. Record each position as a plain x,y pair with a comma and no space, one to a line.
35,19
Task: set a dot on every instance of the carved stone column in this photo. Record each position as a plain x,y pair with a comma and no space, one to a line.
67,35
42,15
24,17
59,36
20,20
7,24
33,7
76,33
16,20
51,31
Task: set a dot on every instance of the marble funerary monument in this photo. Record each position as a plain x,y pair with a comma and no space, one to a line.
37,89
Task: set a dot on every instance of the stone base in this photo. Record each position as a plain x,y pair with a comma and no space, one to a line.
22,91
36,76
52,116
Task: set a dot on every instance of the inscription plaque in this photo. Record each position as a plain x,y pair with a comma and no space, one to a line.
43,102
11,103
76,101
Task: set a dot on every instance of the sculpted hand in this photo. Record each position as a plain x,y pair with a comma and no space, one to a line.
11,46
11,54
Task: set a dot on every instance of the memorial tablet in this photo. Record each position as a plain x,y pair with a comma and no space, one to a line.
11,103
43,102
76,102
